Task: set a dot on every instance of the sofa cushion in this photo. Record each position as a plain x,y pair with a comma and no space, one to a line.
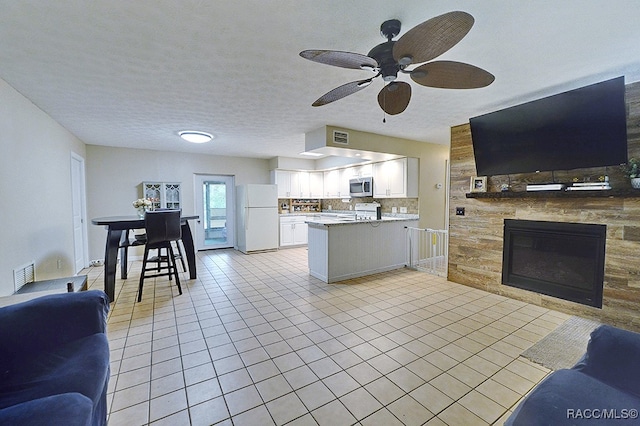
69,409
50,321
570,397
81,366
612,357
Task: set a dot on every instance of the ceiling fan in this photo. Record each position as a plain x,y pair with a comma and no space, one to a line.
422,43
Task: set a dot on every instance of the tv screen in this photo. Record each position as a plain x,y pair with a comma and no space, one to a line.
585,127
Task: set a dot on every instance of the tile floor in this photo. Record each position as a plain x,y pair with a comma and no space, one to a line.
255,340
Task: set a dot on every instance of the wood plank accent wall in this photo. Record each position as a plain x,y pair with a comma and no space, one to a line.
475,240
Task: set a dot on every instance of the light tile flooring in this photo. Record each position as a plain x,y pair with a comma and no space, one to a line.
256,340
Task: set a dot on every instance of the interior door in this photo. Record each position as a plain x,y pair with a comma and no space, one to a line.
215,204
78,207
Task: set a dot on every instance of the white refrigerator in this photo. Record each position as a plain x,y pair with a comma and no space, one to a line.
257,217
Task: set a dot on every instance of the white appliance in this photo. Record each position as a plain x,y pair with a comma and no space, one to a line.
368,211
361,187
257,217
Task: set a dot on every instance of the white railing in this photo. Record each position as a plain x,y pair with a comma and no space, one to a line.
428,250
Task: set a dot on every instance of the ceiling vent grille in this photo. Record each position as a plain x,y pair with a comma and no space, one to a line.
23,275
340,138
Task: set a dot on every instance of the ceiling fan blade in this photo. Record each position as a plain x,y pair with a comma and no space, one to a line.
340,59
451,75
394,97
432,38
341,91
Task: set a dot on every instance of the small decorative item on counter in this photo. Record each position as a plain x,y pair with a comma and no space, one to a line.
504,187
142,205
632,170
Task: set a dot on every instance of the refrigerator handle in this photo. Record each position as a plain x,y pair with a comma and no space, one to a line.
246,222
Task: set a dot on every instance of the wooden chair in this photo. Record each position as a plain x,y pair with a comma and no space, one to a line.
162,228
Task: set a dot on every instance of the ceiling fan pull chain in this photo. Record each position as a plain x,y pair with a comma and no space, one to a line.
384,107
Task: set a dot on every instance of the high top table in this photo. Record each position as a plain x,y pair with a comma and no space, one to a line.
118,228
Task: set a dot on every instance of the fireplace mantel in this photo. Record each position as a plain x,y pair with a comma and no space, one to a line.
618,193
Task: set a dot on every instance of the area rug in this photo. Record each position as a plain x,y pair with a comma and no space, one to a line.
564,346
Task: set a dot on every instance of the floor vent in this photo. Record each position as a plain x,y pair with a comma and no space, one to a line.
340,138
23,275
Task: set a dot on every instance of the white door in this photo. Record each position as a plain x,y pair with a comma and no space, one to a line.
78,207
215,204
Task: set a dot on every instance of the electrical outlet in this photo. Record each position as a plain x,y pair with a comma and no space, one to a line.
459,211
403,209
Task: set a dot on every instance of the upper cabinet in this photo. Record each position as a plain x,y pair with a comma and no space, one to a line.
391,179
295,184
163,195
396,178
332,187
316,184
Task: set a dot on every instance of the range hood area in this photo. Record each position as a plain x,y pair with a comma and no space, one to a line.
346,148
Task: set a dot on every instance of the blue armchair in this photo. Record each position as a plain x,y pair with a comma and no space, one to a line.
54,360
602,388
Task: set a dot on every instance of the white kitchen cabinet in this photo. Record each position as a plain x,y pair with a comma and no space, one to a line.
332,183
303,185
165,195
293,230
282,178
343,183
396,178
288,183
300,231
366,170
298,184
316,185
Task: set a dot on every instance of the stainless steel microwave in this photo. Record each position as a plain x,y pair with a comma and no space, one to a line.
361,187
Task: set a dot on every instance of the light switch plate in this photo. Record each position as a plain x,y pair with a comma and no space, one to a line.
394,210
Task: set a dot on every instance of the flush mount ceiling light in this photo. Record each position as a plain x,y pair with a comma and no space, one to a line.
194,136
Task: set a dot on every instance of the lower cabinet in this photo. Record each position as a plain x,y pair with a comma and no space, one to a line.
293,230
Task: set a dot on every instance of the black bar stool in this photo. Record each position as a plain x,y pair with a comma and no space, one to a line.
162,228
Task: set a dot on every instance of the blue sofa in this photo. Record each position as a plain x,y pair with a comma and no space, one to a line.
54,360
602,388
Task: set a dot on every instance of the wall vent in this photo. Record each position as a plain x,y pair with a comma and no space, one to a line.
23,275
340,138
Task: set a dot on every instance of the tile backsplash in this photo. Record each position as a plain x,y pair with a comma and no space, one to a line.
386,204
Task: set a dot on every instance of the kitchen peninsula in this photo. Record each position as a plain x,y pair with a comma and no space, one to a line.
341,248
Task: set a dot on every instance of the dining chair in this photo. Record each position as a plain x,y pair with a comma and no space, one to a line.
162,228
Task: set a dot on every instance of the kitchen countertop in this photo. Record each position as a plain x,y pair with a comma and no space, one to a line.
328,221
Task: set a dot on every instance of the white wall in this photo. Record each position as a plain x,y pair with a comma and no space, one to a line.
35,189
115,175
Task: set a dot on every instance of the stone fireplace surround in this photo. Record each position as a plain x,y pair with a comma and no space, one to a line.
476,239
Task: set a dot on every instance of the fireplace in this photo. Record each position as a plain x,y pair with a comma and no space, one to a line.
563,260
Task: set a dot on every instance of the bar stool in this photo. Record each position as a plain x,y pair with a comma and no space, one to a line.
162,228
180,255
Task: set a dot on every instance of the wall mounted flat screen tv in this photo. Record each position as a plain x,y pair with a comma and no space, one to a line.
585,127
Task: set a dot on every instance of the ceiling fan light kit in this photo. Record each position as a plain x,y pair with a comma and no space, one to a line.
422,43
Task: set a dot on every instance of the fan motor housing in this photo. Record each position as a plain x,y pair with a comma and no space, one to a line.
383,54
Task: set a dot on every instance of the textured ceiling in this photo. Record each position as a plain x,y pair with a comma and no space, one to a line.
134,73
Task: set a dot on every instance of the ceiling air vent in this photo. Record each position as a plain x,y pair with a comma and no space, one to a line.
340,138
